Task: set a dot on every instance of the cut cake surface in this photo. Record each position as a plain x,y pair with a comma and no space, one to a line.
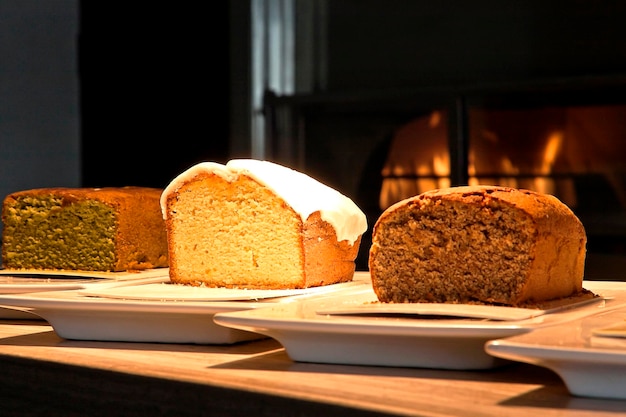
477,244
92,229
255,224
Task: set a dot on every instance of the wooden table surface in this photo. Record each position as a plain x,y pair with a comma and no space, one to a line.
43,374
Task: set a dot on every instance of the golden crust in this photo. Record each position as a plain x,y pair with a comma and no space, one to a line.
327,261
104,194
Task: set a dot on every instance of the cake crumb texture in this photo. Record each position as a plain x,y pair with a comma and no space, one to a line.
477,244
91,229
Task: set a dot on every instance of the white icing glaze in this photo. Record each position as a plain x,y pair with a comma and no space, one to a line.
303,193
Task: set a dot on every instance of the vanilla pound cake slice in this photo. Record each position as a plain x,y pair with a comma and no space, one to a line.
482,244
90,229
257,224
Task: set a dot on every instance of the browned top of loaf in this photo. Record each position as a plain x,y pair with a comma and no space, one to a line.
539,206
523,199
109,195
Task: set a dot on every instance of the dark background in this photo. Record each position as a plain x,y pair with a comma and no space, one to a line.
154,90
155,79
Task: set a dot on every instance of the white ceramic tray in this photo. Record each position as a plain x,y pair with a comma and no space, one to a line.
310,333
28,281
589,354
105,314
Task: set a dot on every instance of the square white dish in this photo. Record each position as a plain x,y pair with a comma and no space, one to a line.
310,335
590,360
109,316
14,281
28,281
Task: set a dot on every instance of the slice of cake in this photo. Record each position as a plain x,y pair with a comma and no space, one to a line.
477,244
256,224
90,229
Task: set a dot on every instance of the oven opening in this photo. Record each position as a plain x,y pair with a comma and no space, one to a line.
381,151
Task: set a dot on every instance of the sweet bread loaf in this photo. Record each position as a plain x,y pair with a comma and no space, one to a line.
256,224
91,229
477,244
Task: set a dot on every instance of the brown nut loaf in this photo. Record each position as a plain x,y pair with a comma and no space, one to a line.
477,244
90,229
256,224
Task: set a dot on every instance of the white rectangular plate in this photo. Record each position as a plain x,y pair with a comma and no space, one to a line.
74,315
401,340
28,281
167,291
24,281
591,363
442,310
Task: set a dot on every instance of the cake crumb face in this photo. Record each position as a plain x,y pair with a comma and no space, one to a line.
216,237
89,229
41,233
